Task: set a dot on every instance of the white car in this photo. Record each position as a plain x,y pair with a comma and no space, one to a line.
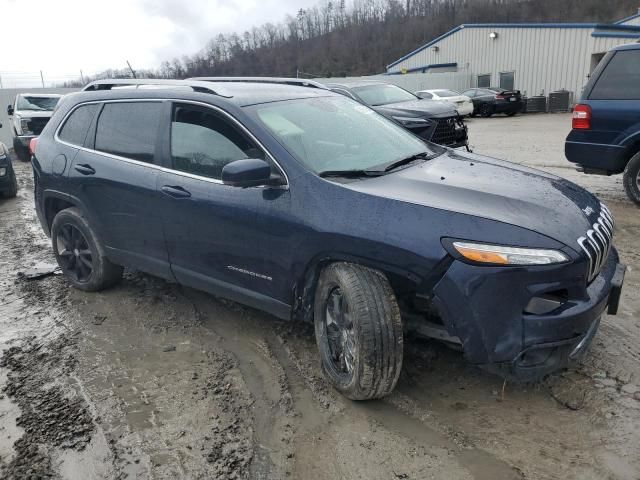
462,103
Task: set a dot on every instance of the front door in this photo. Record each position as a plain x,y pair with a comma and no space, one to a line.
210,228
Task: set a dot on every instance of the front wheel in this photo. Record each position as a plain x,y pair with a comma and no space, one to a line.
358,331
511,114
631,179
80,254
12,191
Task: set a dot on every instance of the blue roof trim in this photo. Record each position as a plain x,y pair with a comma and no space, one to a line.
631,17
424,68
621,28
427,45
615,35
492,25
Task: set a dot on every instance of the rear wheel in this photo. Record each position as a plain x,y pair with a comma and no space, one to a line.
22,153
631,179
486,110
511,114
12,191
358,331
80,254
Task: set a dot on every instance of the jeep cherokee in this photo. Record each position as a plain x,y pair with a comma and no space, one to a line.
287,197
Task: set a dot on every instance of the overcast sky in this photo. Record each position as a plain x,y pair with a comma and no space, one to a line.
61,37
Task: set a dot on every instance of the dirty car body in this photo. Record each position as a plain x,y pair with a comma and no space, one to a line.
266,245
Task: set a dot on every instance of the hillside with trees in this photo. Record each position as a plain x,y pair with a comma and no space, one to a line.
361,38
336,38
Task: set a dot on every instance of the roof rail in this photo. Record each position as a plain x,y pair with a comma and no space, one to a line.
111,83
300,82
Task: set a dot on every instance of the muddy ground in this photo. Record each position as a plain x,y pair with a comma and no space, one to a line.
152,380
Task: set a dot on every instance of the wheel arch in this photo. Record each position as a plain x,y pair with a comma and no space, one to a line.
401,279
54,202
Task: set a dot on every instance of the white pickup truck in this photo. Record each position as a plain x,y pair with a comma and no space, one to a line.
29,114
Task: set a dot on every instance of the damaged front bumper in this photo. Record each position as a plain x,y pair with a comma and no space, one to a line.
499,333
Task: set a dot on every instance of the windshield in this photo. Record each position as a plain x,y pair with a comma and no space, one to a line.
337,133
37,103
446,93
381,94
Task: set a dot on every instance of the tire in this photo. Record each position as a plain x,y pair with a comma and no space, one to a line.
486,110
22,154
511,114
372,342
12,191
78,250
631,179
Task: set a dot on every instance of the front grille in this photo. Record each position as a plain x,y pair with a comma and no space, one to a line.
445,132
36,125
597,242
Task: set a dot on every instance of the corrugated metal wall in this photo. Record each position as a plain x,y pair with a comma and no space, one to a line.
8,97
542,59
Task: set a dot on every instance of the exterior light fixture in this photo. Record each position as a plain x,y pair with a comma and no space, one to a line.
436,49
493,35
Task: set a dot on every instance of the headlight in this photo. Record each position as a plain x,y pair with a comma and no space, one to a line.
409,120
24,125
497,254
3,171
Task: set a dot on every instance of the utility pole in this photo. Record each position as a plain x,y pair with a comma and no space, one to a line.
132,72
42,78
81,77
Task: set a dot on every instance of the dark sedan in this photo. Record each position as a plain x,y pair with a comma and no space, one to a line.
431,120
487,101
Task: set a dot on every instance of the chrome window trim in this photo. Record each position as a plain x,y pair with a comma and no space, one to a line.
159,167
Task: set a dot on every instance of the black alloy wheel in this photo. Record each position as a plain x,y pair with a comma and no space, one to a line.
74,253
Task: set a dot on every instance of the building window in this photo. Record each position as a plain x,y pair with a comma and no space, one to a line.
506,80
484,81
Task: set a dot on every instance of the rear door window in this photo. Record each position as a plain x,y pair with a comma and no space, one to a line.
74,130
129,129
620,79
202,142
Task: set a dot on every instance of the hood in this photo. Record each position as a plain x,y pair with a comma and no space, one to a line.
418,108
492,189
33,113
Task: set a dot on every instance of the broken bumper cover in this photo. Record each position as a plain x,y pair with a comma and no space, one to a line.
498,334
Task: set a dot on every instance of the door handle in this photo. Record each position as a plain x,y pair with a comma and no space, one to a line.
85,169
175,191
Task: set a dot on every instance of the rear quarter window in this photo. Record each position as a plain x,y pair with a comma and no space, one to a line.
129,129
620,79
75,128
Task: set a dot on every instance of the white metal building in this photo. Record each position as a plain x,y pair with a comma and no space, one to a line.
536,58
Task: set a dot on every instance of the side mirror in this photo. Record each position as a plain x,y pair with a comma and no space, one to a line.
424,95
10,110
250,172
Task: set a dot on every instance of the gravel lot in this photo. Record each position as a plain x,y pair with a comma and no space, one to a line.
152,380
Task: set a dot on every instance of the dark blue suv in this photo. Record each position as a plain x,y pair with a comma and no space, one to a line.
290,198
605,138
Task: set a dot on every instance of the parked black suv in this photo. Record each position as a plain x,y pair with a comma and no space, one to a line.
432,120
301,202
8,182
605,138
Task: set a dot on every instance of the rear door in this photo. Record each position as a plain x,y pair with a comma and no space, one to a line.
115,177
210,228
614,98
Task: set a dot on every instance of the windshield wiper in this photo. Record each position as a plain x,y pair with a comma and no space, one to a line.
404,161
351,173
